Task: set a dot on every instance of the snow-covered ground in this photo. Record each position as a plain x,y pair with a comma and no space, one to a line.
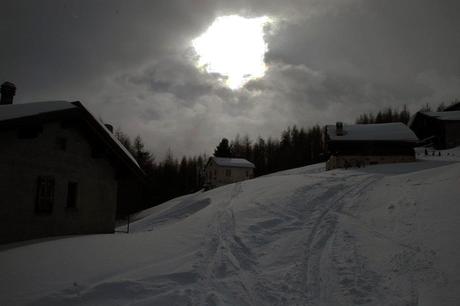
381,235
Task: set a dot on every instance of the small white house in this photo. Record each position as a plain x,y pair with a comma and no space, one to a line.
221,171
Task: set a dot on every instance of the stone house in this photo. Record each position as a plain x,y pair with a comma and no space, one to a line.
61,172
441,129
222,170
359,145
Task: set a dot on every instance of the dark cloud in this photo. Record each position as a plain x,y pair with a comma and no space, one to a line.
131,63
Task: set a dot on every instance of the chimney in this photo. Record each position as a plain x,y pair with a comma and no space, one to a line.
339,129
8,90
109,127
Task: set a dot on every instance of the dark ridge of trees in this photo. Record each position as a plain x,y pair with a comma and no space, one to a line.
223,149
394,115
385,116
296,147
168,178
173,177
443,106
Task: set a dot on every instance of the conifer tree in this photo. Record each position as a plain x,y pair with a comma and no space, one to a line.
223,149
143,157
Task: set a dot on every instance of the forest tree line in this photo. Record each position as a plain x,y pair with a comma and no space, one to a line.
390,114
296,147
172,177
385,116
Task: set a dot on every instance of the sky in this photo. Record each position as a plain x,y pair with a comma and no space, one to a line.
132,63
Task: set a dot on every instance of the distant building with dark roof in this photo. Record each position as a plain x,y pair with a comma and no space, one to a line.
368,144
61,172
441,129
222,170
452,107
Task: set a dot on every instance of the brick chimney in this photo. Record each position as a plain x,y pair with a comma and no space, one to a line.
339,129
8,90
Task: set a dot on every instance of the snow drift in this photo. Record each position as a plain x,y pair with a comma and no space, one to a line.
382,235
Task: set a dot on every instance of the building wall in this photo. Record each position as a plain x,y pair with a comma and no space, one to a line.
452,134
132,195
22,161
347,161
425,126
446,133
217,175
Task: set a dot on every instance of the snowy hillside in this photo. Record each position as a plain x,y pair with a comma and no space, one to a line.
381,235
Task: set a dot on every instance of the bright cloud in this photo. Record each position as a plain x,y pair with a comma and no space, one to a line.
234,47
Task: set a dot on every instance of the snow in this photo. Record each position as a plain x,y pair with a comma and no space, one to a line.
380,235
438,156
14,111
395,131
451,115
114,138
233,162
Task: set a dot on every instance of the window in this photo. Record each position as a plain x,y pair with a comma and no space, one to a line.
72,194
247,173
228,172
45,194
61,143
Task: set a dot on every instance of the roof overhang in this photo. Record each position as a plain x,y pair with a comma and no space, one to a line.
78,113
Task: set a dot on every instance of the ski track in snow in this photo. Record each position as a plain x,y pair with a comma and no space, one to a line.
299,237
229,262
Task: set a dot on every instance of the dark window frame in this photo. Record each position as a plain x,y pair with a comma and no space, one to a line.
72,195
44,201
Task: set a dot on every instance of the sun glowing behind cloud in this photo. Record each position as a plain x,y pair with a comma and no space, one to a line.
234,47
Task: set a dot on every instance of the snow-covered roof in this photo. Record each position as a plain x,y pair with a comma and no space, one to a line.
411,120
115,139
395,131
17,111
453,107
233,162
451,115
